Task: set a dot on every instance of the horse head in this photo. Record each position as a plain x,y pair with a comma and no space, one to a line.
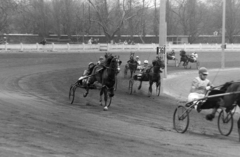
131,59
112,62
225,86
157,64
107,55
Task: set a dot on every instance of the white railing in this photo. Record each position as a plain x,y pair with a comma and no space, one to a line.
113,47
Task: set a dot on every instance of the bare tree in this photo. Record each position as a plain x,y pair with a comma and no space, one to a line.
232,19
156,19
106,16
7,9
190,17
37,14
171,19
57,16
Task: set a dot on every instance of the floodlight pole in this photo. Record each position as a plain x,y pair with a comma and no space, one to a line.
163,31
223,34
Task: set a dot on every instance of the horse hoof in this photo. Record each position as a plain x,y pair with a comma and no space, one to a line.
111,95
105,108
84,95
209,117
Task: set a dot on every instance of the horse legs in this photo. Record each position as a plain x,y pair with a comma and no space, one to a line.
211,115
105,99
140,85
87,89
150,88
101,93
179,63
239,129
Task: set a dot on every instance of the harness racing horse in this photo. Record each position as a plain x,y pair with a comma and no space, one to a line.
153,75
107,79
228,101
188,59
131,65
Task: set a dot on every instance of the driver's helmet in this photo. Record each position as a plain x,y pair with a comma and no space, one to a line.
145,62
90,64
137,57
101,58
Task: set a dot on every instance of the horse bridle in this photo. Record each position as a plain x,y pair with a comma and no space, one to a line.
111,68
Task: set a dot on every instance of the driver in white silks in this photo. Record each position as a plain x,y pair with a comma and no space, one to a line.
171,55
143,69
194,55
139,63
200,86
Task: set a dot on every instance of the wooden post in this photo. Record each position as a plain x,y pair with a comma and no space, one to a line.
68,46
6,46
53,48
37,45
21,47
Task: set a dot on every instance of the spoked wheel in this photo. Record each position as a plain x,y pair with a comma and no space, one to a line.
225,123
181,119
72,93
158,89
130,86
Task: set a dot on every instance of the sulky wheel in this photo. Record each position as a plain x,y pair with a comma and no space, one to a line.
72,93
109,101
181,119
225,123
130,86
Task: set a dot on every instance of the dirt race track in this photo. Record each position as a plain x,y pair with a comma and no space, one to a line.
36,118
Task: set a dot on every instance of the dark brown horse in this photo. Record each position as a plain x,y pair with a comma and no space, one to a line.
106,77
153,75
186,59
230,95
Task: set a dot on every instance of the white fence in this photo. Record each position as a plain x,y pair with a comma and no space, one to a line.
111,47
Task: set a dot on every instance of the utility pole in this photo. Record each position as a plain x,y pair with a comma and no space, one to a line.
223,34
163,31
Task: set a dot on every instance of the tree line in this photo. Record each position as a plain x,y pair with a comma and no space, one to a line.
118,17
